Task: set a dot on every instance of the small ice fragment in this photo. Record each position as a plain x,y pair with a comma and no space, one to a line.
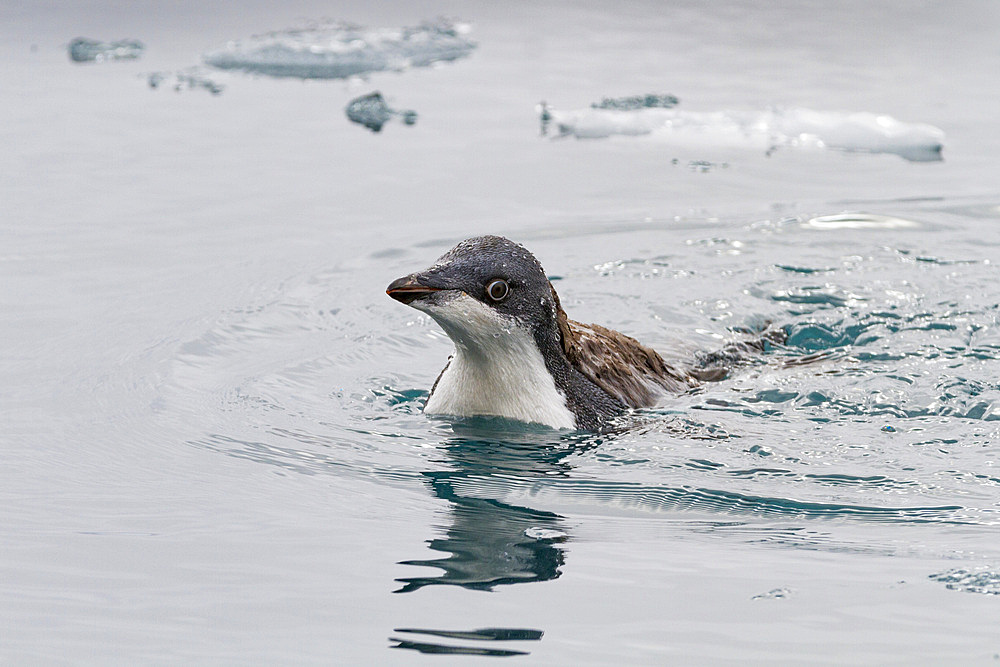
550,534
187,79
648,101
373,112
775,594
83,50
704,166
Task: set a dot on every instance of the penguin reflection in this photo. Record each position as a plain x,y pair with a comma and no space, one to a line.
490,541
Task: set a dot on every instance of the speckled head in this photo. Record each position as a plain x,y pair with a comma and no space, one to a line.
495,272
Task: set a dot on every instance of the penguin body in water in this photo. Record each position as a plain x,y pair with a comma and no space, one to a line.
518,355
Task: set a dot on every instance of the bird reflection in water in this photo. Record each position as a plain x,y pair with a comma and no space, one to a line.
491,541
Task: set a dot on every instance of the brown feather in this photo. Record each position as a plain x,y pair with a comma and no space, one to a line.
619,364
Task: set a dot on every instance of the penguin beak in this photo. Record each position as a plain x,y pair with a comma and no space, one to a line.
409,288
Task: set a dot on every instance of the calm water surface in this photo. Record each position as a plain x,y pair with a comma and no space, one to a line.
213,445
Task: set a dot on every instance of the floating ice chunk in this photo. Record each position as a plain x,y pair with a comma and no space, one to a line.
335,50
862,132
648,101
768,130
373,112
774,594
83,50
190,79
702,166
541,533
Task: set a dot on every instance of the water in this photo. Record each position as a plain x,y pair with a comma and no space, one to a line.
213,445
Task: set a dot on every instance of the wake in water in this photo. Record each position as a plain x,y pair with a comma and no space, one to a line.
767,130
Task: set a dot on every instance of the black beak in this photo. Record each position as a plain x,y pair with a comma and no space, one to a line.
408,289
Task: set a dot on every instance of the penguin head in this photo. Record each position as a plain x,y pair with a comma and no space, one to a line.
482,288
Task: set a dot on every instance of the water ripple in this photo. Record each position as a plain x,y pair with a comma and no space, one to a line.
641,498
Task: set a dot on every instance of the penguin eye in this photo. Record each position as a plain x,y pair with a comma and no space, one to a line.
497,289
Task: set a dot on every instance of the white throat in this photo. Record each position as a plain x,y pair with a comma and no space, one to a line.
497,369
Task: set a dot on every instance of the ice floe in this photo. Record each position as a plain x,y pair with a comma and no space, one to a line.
768,130
83,50
337,50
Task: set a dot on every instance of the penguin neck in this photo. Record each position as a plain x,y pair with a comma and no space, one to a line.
498,370
592,405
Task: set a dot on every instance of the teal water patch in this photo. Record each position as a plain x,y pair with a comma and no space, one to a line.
410,401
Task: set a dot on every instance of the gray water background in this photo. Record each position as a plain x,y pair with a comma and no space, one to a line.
213,450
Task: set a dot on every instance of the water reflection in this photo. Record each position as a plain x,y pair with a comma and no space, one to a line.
483,634
490,542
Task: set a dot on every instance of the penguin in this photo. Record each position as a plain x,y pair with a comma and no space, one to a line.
518,355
